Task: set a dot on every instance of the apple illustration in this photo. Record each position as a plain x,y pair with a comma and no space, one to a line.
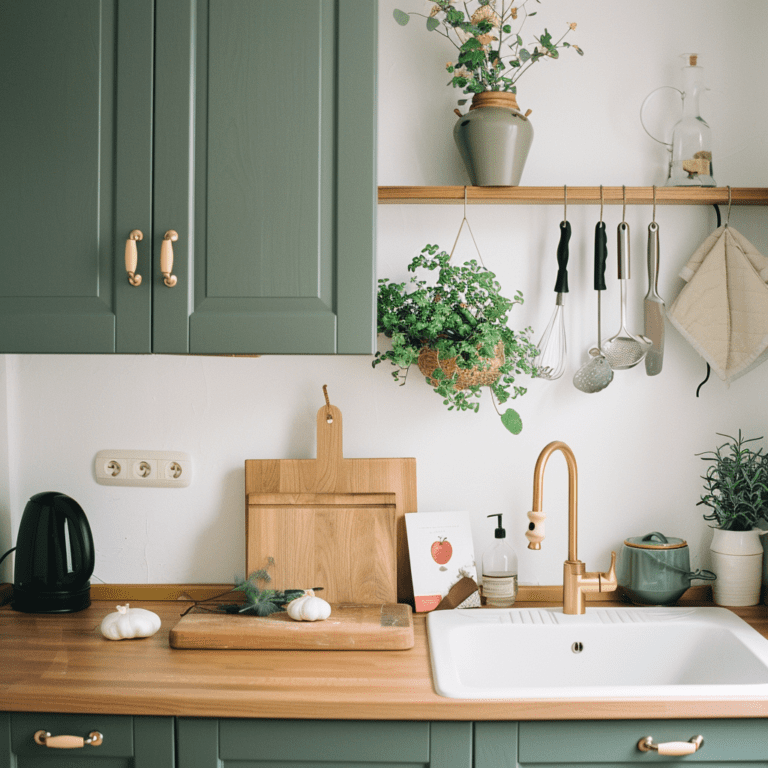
442,550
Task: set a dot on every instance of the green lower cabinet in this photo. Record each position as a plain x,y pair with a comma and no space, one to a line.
127,742
587,743
211,743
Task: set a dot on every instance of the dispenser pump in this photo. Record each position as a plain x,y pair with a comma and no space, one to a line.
500,533
500,571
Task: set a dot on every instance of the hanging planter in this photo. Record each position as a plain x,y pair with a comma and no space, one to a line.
456,331
484,374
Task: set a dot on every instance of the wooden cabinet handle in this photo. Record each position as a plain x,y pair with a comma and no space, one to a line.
67,742
671,747
166,257
132,257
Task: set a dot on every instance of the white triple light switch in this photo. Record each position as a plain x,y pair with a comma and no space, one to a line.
158,469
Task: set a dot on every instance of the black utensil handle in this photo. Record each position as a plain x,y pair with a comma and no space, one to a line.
561,284
601,255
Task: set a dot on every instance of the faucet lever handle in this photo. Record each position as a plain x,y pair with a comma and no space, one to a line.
536,530
608,581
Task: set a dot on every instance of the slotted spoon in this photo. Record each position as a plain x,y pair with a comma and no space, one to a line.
596,374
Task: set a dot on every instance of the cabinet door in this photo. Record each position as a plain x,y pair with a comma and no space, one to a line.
128,742
322,743
75,173
265,167
588,743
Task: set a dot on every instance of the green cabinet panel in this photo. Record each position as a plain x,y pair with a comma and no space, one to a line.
209,743
128,742
192,116
60,185
614,743
269,259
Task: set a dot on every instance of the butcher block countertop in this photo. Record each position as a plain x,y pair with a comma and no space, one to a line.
61,663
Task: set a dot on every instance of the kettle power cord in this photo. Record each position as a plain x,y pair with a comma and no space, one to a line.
6,554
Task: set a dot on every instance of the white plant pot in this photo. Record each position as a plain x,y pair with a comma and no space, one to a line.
737,559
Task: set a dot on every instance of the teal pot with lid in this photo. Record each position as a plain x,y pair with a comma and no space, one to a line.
656,570
493,139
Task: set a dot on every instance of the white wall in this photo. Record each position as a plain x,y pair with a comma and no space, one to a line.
635,442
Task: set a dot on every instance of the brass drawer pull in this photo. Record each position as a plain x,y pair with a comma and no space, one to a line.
67,742
166,257
671,747
132,257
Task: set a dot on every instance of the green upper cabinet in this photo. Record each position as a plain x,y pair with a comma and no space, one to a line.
75,164
250,137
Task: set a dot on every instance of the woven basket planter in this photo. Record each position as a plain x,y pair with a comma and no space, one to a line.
467,377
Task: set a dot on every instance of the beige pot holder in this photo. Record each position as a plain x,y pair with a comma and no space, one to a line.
722,311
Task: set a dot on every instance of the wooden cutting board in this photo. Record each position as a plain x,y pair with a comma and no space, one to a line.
331,473
350,627
342,542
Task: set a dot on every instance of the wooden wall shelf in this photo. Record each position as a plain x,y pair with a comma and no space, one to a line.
576,195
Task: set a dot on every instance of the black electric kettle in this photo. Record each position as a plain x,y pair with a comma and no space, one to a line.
54,556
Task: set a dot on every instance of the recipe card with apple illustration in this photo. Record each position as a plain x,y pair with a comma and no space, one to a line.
441,552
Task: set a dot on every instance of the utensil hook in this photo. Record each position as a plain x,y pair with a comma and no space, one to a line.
464,221
624,198
654,203
565,205
728,215
601,203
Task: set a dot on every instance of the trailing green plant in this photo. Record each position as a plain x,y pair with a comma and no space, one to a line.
736,484
491,53
461,314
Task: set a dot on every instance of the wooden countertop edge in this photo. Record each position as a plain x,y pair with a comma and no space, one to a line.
457,710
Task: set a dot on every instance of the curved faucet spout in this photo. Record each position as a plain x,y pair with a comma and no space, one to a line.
535,532
576,580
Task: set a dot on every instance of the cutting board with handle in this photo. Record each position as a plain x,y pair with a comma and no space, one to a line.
343,542
331,473
385,627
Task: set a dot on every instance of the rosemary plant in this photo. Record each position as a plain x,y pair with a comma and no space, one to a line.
736,484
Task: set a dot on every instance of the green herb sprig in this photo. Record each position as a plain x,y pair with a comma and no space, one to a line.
258,600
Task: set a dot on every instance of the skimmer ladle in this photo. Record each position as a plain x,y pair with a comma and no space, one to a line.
596,374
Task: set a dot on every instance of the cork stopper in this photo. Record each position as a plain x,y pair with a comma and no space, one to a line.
693,58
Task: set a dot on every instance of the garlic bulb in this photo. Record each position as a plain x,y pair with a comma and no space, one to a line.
129,623
309,608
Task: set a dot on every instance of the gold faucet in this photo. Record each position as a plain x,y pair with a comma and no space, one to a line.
576,581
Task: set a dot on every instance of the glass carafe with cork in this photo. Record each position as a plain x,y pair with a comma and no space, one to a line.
691,148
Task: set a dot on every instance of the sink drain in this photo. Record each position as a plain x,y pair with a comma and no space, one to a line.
577,647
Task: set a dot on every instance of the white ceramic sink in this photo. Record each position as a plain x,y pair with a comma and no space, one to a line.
607,653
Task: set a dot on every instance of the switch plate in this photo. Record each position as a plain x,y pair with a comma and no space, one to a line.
148,469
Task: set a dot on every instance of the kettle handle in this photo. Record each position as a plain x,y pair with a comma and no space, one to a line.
642,109
81,543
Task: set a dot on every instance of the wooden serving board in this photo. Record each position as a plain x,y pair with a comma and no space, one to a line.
342,542
331,473
350,627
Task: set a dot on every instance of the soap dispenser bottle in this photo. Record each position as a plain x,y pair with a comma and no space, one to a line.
500,571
